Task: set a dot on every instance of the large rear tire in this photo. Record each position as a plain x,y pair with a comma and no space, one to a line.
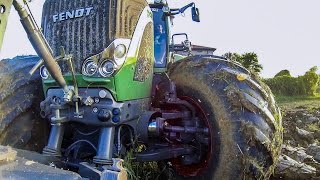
20,97
244,121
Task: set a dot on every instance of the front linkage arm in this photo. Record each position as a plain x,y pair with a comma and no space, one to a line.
36,38
40,45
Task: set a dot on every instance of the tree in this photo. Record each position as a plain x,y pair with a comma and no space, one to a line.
294,86
248,60
284,72
311,80
251,62
233,57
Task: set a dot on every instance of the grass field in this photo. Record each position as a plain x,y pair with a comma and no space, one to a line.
291,102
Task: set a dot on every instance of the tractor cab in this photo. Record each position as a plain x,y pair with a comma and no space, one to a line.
161,36
164,46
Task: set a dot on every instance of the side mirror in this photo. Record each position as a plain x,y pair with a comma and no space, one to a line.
195,14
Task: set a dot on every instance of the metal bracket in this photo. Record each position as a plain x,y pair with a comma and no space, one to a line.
114,172
164,153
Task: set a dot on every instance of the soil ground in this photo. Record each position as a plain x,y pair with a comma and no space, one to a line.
301,147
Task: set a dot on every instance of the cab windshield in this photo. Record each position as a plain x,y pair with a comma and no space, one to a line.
160,38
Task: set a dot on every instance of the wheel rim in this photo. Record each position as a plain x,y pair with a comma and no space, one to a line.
196,169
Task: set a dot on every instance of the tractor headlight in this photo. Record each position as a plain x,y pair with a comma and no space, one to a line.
106,68
120,51
89,68
44,73
110,60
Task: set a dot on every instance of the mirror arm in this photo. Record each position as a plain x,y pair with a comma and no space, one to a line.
186,7
181,10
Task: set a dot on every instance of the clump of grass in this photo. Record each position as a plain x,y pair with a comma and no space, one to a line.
145,170
314,127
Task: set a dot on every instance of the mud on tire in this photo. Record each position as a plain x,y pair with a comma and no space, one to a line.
20,97
245,123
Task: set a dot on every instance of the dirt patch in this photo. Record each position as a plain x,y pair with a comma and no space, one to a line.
301,149
302,126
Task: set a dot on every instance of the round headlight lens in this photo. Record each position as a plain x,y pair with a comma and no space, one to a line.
107,68
120,51
89,68
44,73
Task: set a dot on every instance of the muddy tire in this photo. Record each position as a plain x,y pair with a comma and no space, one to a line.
20,97
244,121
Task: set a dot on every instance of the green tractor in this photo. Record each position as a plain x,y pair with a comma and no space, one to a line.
108,81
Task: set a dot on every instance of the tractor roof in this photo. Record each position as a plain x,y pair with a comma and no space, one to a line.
157,1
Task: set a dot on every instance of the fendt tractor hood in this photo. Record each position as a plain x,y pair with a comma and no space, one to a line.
86,27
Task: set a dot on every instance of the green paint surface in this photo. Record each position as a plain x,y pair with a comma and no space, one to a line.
122,86
126,87
178,57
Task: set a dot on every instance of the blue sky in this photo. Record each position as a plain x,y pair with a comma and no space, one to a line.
284,33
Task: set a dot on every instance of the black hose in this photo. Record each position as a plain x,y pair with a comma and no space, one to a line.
72,146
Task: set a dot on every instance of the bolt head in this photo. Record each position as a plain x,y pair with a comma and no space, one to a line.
95,110
103,93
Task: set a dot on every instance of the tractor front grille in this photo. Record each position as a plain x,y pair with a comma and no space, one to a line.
81,36
86,27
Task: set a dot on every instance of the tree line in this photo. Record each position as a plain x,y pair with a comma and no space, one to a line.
282,83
